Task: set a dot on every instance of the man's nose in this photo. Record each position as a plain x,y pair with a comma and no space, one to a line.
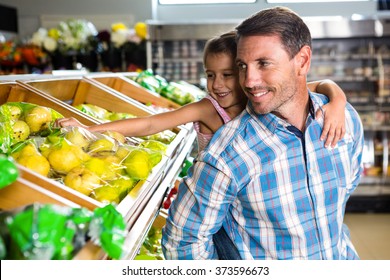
251,78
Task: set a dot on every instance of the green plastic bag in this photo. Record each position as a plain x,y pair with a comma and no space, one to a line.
150,81
108,230
8,171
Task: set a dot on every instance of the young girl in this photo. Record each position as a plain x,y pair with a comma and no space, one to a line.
225,101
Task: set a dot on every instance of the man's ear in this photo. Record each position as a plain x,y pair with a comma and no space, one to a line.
303,60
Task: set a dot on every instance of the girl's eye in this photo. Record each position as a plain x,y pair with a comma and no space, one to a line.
228,74
241,66
209,75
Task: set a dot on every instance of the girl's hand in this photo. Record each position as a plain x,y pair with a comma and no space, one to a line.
64,122
334,123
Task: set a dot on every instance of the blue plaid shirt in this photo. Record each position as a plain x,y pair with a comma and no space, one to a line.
277,196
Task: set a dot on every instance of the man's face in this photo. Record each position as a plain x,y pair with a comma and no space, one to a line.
267,74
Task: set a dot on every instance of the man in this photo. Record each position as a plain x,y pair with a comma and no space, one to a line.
266,177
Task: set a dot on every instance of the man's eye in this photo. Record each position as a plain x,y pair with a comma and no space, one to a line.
264,63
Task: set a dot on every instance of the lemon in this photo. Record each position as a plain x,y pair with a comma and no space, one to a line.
21,131
118,26
102,168
154,145
82,180
106,194
63,160
102,145
38,118
37,163
54,33
137,164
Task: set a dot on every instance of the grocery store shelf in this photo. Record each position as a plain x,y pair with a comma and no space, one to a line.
372,190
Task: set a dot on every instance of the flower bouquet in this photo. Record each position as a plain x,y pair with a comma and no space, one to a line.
121,45
11,58
72,44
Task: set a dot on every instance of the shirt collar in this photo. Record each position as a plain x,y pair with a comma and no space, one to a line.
271,121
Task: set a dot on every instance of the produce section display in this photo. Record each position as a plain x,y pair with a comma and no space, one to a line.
74,167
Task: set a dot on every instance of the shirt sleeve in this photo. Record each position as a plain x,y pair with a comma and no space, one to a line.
357,156
197,213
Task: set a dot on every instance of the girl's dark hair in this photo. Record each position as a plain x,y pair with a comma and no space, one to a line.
225,43
280,21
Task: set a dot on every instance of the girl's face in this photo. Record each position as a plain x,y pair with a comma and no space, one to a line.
222,80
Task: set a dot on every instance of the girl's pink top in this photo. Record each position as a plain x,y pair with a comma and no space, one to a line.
204,139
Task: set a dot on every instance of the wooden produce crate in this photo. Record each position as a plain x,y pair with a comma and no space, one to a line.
132,89
75,91
18,92
23,192
72,91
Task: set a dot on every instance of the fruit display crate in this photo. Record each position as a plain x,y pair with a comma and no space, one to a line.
32,187
24,192
129,207
130,88
17,92
77,90
74,91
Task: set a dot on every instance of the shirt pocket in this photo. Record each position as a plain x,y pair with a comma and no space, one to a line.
342,160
